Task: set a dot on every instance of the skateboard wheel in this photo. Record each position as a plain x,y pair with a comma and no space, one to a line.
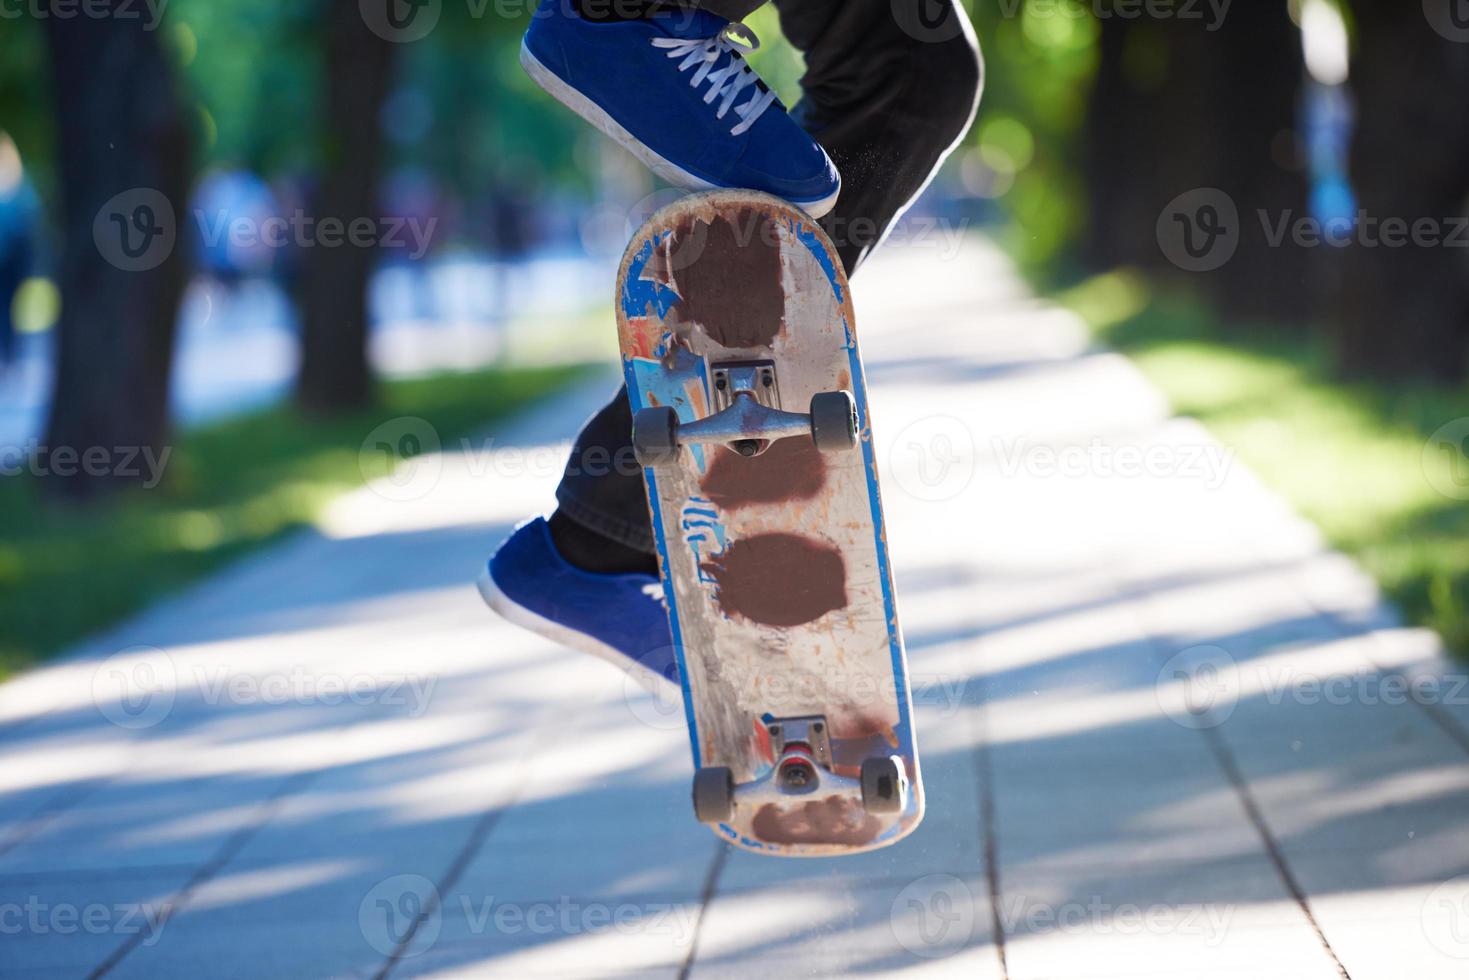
833,420
714,795
882,785
655,436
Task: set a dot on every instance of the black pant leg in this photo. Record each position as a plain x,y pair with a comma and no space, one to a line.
732,9
890,88
602,486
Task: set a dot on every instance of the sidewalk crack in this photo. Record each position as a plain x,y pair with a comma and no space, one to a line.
1226,762
706,895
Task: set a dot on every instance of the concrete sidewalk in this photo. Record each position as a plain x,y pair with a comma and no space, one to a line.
1165,733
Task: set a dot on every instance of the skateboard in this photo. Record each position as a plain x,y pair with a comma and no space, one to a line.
750,422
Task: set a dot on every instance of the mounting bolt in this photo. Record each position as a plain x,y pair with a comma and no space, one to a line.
796,776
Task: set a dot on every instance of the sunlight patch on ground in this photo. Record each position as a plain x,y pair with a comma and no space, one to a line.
264,883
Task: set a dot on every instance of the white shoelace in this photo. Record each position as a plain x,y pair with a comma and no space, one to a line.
728,81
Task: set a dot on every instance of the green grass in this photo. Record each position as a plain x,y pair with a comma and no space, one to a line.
228,488
1354,458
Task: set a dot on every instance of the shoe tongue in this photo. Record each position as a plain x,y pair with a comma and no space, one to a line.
689,24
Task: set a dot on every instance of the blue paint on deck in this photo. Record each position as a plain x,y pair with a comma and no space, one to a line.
640,295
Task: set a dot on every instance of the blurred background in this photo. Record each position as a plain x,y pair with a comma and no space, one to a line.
1264,204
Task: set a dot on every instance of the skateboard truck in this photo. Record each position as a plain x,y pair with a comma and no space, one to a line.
747,417
802,767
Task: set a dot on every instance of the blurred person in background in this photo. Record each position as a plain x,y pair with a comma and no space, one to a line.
18,213
510,225
235,238
411,195
889,90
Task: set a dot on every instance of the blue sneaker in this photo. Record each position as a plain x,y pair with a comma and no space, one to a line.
620,618
676,91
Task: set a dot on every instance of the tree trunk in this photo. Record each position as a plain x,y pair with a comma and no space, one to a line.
1403,311
123,166
1256,91
335,375
1129,168
1178,110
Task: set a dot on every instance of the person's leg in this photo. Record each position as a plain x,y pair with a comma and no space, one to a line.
728,9
888,92
601,520
12,273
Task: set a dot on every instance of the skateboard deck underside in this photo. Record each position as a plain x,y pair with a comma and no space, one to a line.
775,566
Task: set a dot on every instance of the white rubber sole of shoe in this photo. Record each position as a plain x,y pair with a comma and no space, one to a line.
597,116
515,613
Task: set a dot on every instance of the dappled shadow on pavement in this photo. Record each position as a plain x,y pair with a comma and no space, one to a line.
1159,727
